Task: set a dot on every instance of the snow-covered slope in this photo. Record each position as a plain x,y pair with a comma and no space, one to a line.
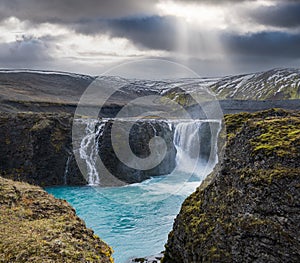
274,84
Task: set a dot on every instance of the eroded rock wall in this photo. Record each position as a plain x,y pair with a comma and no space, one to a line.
250,211
34,147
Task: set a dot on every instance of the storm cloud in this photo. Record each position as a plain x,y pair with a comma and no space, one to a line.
264,44
285,14
153,32
261,32
71,11
25,50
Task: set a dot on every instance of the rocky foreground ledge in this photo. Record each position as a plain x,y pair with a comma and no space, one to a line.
250,212
36,227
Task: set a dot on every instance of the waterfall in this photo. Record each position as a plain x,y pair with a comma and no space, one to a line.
196,145
89,150
67,170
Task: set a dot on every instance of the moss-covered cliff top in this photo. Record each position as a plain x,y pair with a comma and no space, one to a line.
36,227
250,212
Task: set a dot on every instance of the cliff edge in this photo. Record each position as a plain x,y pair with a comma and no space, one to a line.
36,227
250,212
35,148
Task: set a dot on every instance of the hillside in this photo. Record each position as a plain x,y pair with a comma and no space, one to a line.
276,84
250,211
44,91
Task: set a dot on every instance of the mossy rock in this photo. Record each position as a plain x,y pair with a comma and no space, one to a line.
36,227
248,211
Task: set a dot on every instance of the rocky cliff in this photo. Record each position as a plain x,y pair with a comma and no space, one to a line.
37,148
36,227
250,211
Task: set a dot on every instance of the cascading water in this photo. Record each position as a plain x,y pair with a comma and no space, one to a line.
67,170
187,143
195,142
196,146
89,150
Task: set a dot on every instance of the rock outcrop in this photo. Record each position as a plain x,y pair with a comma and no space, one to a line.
250,210
36,227
139,137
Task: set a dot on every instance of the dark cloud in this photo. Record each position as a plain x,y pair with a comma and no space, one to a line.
284,14
153,32
70,11
139,22
265,44
218,2
25,51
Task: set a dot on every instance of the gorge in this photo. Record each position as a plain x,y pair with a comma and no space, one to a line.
48,148
133,209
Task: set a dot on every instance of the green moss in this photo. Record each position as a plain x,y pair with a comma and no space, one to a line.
267,176
7,141
234,123
36,227
280,136
41,125
58,138
179,97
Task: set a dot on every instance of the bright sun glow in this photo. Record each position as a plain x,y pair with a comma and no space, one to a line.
210,16
232,17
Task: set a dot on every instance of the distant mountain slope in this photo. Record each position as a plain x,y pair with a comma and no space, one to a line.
40,91
276,84
46,86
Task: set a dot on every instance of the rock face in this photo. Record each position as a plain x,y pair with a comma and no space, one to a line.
35,148
140,134
36,227
250,210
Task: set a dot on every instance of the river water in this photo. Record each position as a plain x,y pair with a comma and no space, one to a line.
136,219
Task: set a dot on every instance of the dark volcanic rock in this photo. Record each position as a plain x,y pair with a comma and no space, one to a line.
250,211
35,148
151,259
140,134
36,227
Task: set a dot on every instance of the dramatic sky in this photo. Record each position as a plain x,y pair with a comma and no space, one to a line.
213,37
